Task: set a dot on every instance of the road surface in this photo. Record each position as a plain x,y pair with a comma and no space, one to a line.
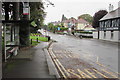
92,51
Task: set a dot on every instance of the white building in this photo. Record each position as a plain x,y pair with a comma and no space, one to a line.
109,26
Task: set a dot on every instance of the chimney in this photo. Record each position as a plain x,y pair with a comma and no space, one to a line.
111,7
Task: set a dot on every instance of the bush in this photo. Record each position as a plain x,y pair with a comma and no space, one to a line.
63,28
84,32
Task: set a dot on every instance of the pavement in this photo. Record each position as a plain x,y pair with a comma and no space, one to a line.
31,62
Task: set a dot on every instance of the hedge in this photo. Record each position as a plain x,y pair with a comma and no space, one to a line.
85,32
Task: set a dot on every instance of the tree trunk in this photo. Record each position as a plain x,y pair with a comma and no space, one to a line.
24,32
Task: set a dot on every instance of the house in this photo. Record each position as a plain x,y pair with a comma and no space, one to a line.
65,23
109,26
77,23
81,23
72,23
69,23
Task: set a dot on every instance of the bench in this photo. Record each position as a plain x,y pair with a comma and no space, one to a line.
13,51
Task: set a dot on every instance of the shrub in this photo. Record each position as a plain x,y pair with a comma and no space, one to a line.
63,28
84,32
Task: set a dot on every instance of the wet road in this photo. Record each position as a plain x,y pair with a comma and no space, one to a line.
91,50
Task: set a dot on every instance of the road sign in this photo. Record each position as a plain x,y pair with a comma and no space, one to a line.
58,28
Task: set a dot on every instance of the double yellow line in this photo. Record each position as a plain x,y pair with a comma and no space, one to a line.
65,73
61,68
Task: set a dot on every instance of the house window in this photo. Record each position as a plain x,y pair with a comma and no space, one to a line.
117,23
111,34
113,23
109,23
102,25
104,34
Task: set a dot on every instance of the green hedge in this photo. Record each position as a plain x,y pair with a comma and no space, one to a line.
63,28
84,32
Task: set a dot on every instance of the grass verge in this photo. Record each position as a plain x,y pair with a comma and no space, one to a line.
39,38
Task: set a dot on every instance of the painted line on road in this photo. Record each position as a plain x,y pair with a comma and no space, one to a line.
82,74
60,69
95,70
58,66
72,72
110,73
97,62
107,68
87,70
100,64
66,55
61,65
59,61
100,73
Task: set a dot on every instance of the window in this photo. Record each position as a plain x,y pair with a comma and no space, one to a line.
102,25
113,23
117,23
109,23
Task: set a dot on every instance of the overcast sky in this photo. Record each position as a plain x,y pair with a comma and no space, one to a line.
74,8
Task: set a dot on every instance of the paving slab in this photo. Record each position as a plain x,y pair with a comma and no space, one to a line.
29,63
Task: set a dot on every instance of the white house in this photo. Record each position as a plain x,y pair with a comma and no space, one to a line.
81,23
109,26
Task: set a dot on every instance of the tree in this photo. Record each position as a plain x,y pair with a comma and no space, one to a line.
97,16
50,26
37,13
87,17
